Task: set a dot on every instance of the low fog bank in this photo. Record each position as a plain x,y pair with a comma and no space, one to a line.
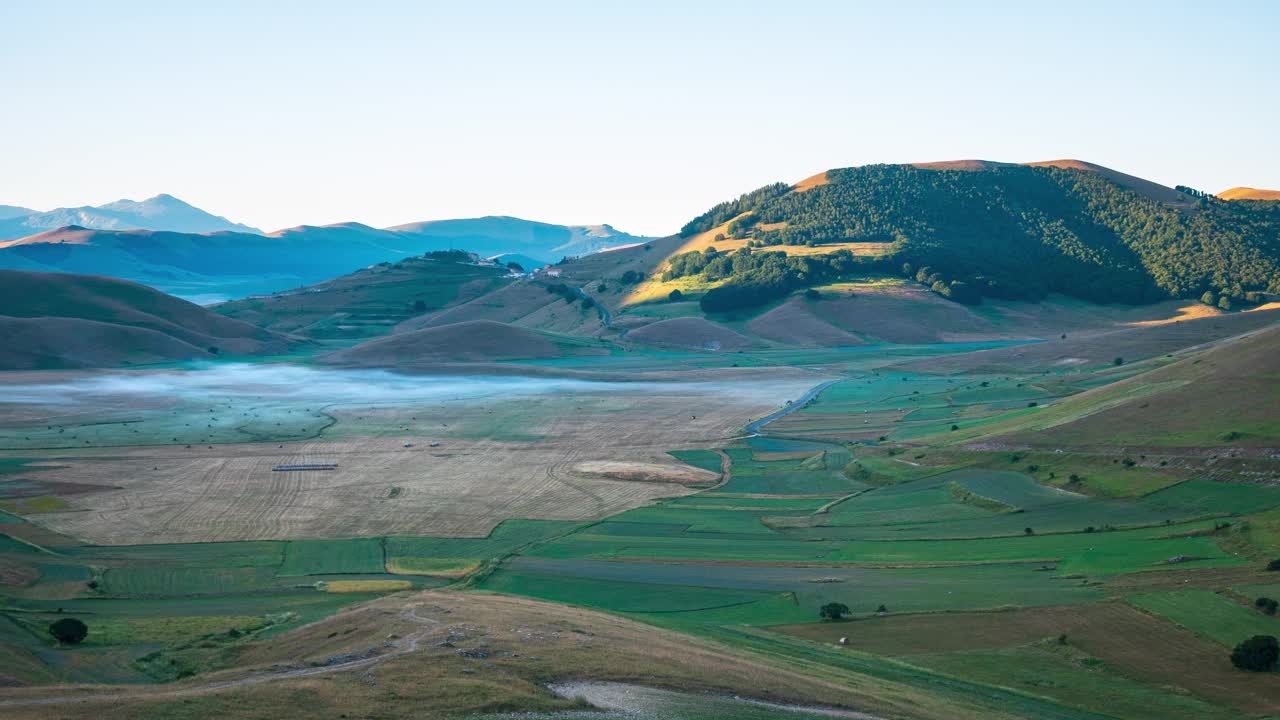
322,386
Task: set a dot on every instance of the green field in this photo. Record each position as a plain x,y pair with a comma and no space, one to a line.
1071,677
803,523
1216,617
315,557
453,555
705,459
863,497
195,604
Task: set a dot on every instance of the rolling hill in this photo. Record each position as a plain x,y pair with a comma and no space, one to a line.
688,333
525,262
199,266
371,301
977,229
162,212
218,266
1223,397
1098,343
58,320
1248,193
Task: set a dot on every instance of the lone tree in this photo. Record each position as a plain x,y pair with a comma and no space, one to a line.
1257,654
69,630
675,296
1274,564
1266,605
833,611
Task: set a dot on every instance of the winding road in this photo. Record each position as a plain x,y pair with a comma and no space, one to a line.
606,317
756,428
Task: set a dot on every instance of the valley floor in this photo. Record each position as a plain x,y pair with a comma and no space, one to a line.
639,528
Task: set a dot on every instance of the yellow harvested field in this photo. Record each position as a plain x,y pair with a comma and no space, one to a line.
445,469
1195,311
811,182
657,290
648,472
362,586
867,285
439,567
1188,312
1248,193
857,248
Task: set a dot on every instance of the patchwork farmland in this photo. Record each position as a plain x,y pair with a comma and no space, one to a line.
991,576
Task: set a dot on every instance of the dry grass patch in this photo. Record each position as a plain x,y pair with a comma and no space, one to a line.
646,472
364,586
439,567
500,651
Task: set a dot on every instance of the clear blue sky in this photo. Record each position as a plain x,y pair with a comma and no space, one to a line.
636,114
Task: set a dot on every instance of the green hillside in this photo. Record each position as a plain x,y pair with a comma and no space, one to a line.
370,302
992,230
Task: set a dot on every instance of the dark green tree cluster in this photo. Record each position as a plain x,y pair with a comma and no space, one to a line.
1257,654
69,631
1022,232
569,294
457,256
833,611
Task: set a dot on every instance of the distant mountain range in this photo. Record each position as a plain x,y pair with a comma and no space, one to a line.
13,211
168,244
162,212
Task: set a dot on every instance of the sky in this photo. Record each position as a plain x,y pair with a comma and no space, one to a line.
637,114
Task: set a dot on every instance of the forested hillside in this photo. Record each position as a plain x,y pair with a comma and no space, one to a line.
1001,231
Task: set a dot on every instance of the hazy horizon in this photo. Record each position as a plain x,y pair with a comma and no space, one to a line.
574,113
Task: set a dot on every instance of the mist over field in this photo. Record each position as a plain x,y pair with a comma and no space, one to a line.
298,384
